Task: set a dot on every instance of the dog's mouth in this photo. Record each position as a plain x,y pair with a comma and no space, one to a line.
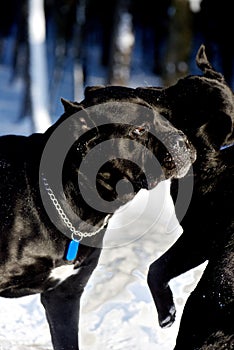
168,167
175,161
168,162
177,164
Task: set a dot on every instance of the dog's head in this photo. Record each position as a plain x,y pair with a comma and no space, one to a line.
201,106
122,139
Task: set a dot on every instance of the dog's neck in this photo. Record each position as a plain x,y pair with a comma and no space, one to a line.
210,168
116,184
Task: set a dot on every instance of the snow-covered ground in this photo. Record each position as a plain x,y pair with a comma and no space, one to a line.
117,311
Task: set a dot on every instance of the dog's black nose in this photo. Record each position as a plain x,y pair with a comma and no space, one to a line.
181,142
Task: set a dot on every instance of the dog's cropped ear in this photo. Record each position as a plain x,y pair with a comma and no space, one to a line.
206,67
69,106
218,129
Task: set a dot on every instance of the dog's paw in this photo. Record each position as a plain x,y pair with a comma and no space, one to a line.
166,321
163,299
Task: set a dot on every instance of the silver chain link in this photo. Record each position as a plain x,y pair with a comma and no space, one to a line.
67,222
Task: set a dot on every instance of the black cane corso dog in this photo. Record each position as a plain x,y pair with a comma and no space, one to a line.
41,250
203,108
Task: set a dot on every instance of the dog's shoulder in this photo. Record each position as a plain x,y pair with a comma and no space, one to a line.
19,158
17,147
12,151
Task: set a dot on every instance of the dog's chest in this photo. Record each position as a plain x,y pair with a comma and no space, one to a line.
21,282
59,274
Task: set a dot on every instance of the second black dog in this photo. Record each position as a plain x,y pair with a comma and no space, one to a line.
203,107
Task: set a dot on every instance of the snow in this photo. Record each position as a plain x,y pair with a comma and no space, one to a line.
195,5
117,310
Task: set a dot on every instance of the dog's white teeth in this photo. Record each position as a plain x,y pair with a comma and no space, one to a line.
168,157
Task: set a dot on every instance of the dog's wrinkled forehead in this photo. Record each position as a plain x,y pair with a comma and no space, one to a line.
135,117
124,103
129,112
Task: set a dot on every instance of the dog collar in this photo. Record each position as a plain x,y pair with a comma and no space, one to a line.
76,235
226,146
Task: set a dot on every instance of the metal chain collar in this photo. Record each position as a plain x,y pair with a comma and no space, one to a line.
76,234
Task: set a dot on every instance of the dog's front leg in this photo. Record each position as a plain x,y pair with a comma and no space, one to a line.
62,305
184,255
62,312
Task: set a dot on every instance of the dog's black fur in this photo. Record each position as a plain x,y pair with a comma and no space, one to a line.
31,246
203,107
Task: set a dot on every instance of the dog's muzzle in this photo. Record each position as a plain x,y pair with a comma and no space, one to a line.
175,154
179,157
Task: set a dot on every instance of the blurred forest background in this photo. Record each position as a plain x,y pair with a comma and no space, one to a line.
54,48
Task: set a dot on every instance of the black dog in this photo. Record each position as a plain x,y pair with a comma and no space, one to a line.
40,253
203,107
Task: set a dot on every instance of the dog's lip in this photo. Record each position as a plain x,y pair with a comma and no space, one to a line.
167,165
193,154
192,150
168,162
153,183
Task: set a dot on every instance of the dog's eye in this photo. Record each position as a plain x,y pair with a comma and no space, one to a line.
139,130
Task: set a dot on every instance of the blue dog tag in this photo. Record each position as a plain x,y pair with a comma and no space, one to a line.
72,250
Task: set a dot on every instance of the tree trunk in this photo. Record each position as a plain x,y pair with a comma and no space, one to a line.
179,42
121,46
38,66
